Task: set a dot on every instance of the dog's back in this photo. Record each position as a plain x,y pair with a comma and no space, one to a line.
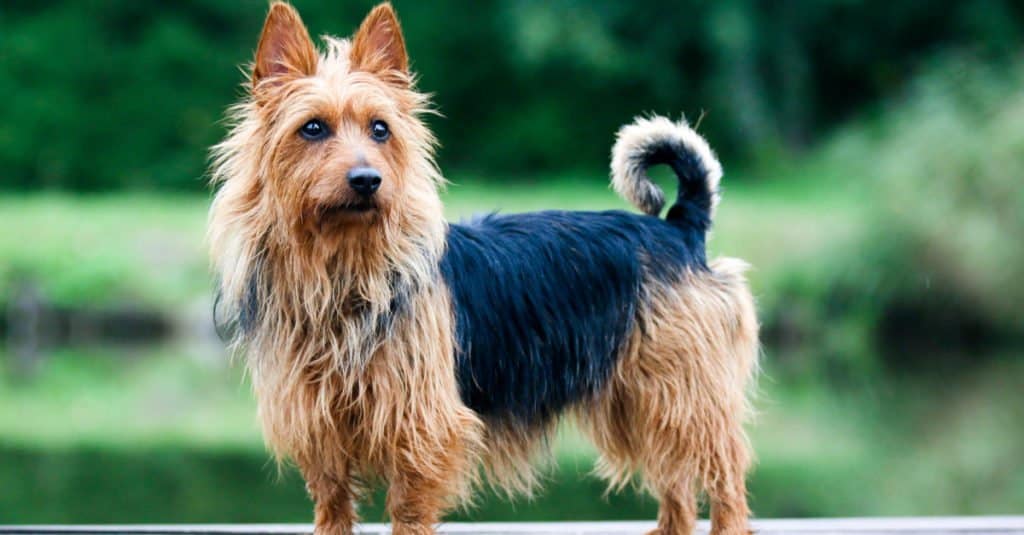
545,301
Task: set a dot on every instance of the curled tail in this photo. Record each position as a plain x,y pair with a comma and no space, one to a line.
658,140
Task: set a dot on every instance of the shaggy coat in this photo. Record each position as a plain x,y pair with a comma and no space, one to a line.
385,343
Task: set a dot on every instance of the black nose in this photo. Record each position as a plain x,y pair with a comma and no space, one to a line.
364,180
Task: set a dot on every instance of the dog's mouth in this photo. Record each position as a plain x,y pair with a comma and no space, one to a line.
347,208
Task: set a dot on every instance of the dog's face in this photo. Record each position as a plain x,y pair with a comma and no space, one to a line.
327,168
340,141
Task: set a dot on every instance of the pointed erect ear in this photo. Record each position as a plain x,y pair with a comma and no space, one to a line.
285,46
378,45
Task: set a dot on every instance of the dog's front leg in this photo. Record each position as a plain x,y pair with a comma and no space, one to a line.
416,500
432,473
334,508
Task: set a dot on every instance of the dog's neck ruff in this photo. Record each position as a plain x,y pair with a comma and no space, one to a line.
333,303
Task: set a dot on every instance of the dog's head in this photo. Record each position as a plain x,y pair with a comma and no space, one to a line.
330,143
328,191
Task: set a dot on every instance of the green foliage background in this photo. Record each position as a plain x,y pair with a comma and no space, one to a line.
102,95
874,155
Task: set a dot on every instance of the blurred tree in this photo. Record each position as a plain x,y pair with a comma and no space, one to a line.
125,94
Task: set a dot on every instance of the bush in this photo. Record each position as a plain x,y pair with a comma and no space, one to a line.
124,94
952,182
938,270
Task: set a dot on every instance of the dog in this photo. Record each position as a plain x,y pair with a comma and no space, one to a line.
386,344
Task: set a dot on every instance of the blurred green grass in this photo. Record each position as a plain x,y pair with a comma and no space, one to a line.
94,250
129,397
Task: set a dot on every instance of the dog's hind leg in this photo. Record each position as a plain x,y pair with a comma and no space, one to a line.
725,483
710,454
635,433
675,407
728,457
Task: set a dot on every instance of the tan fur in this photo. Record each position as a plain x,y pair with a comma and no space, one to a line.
341,397
516,456
353,391
675,409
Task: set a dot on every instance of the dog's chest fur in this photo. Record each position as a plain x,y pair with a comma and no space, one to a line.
403,393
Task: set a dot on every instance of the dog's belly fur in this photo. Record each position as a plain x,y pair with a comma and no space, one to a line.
545,302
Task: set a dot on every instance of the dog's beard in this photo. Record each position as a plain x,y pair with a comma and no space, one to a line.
338,295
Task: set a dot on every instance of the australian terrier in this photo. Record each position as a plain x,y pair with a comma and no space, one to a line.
387,344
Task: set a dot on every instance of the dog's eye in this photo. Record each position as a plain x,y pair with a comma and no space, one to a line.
379,131
314,130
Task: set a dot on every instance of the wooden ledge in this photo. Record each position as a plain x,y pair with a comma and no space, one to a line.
979,525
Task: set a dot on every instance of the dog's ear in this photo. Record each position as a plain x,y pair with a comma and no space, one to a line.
285,47
378,46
